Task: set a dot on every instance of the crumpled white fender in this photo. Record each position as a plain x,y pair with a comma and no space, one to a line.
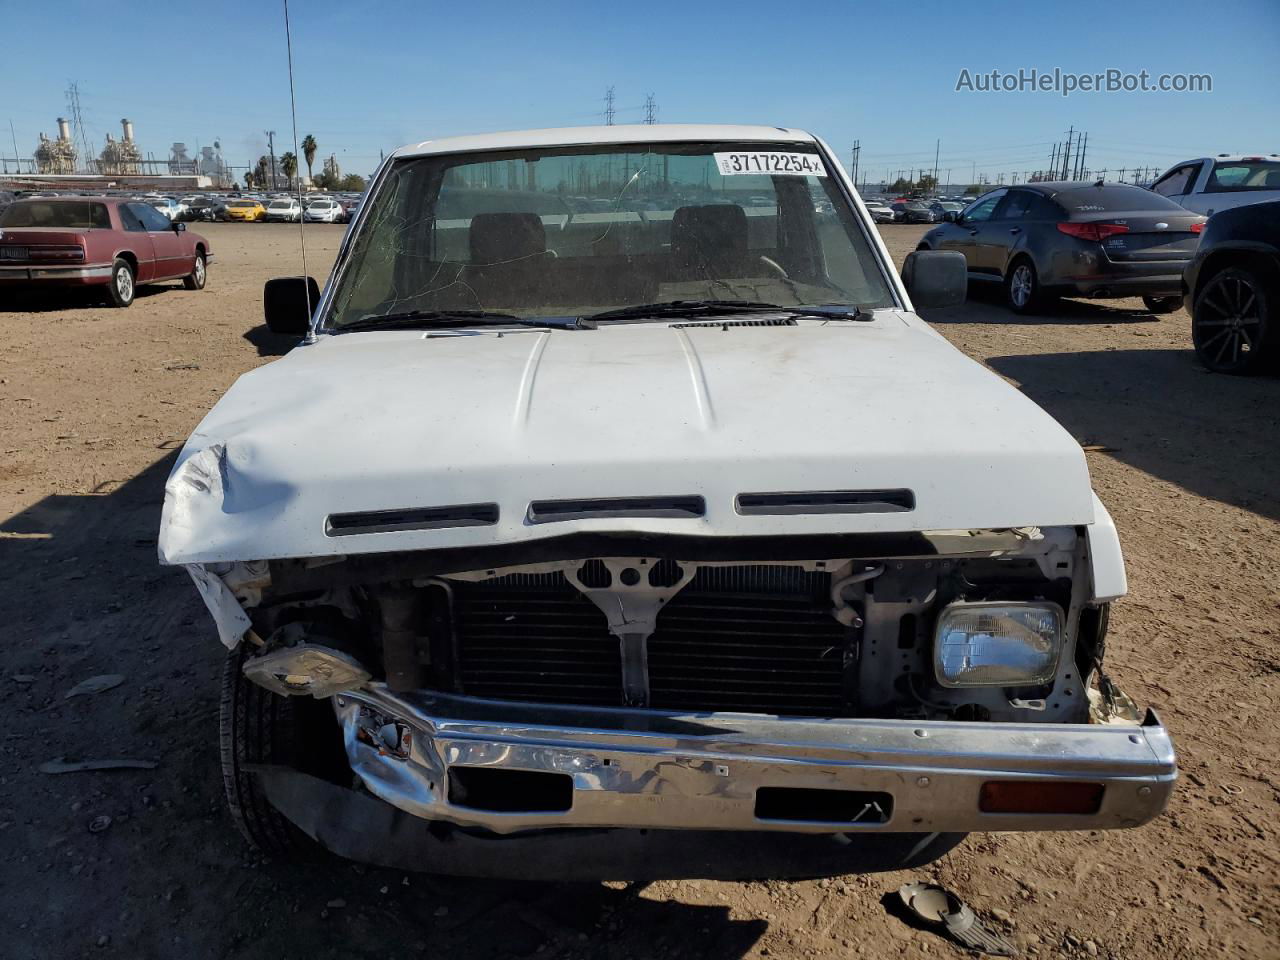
231,620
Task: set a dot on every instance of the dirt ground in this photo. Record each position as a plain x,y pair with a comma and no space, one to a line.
93,403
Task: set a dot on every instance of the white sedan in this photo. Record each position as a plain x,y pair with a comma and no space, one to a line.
285,208
171,208
323,211
880,212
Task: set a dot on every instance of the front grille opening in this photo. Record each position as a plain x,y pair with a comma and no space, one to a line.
556,511
807,805
535,637
753,639
825,501
595,575
414,518
499,790
665,573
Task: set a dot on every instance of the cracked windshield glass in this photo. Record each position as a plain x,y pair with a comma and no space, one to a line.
572,232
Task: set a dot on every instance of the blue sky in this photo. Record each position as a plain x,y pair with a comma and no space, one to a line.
373,74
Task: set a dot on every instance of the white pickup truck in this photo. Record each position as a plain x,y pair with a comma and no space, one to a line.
1211,184
648,536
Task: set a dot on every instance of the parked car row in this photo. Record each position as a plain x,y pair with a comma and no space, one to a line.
1039,241
328,208
1042,240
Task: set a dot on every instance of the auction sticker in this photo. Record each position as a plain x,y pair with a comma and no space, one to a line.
796,164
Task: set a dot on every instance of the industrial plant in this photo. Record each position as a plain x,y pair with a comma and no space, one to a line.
120,164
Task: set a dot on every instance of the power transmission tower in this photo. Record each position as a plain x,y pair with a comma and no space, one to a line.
937,147
650,109
608,107
77,125
1066,153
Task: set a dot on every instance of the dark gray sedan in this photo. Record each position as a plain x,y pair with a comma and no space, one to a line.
912,211
1041,240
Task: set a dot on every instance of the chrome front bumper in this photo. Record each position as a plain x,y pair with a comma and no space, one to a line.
646,769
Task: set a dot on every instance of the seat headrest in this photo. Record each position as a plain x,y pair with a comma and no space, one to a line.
1272,179
709,233
500,237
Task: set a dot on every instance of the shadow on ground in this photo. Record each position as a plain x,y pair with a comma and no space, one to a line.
169,875
270,344
1162,413
50,299
985,304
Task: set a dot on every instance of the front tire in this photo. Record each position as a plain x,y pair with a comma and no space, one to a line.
123,286
1022,293
1234,322
199,274
1162,304
256,726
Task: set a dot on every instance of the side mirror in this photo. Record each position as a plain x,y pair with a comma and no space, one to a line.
179,227
936,278
287,303
951,216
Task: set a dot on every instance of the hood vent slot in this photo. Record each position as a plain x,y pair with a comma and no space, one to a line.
414,518
612,508
824,501
726,324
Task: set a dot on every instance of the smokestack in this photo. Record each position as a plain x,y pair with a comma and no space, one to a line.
64,129
127,126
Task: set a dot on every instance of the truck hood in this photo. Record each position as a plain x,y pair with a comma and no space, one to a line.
409,421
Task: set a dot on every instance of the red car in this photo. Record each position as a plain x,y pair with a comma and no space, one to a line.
84,241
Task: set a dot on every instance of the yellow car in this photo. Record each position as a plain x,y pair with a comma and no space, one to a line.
246,210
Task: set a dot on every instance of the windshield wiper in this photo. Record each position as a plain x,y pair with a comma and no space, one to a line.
454,319
693,308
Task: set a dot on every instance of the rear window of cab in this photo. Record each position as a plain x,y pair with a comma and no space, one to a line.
1244,175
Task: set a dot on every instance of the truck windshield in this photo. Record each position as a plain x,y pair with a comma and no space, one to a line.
572,231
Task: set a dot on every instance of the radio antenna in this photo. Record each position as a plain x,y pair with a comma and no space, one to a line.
302,233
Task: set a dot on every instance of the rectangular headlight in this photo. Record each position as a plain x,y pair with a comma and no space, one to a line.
998,644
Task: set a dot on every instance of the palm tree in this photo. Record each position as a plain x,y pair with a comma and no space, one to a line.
289,166
248,180
309,152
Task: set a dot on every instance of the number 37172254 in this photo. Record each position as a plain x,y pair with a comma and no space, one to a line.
770,162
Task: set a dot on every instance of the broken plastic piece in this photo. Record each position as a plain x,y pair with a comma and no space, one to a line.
104,681
940,907
306,668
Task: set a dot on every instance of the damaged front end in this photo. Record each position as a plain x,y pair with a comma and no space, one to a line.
851,686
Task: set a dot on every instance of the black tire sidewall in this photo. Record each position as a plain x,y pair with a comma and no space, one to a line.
256,726
1265,289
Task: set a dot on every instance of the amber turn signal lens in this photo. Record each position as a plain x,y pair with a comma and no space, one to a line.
1040,796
